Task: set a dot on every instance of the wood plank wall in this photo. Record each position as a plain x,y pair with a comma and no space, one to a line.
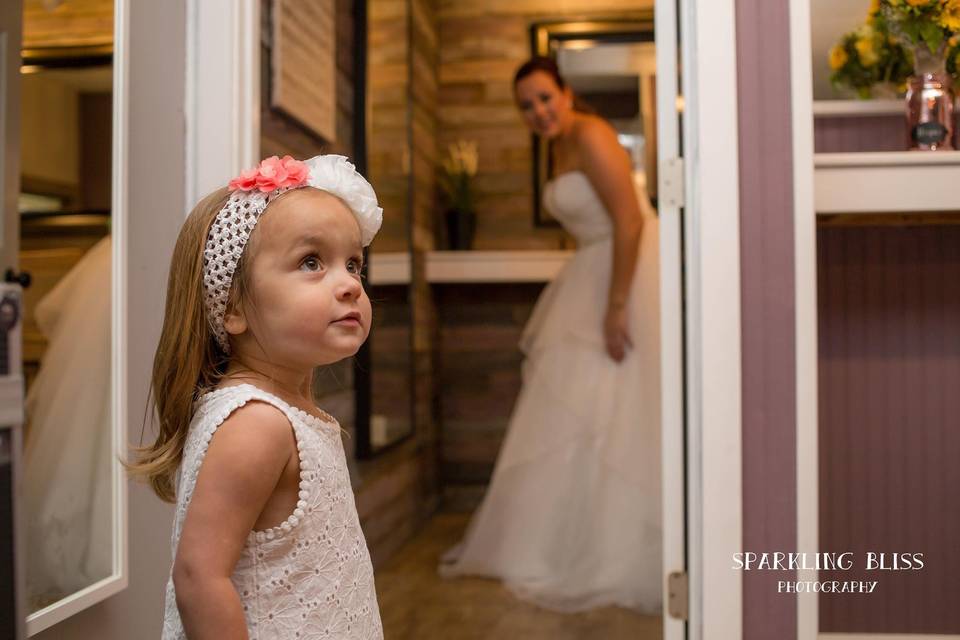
889,368
388,113
424,66
482,42
75,23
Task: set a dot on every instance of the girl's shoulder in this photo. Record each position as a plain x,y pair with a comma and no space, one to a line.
241,407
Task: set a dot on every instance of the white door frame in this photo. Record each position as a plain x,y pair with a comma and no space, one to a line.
222,94
711,232
712,255
669,207
805,305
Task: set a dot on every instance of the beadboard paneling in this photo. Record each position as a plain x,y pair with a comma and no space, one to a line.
889,370
838,134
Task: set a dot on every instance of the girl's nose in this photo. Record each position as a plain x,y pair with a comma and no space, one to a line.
349,287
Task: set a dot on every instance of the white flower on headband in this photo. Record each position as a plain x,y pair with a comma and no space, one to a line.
336,175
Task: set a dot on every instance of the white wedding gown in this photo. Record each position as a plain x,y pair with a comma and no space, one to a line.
67,453
571,518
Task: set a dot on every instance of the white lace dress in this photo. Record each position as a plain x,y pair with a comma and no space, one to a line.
311,576
571,519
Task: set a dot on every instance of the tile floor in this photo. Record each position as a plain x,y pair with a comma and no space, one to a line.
415,603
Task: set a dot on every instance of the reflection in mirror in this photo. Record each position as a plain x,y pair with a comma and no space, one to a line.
611,67
384,407
65,213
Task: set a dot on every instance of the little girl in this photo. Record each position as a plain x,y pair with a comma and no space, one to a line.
264,286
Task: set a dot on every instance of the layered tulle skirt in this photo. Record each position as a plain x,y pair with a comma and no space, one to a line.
571,518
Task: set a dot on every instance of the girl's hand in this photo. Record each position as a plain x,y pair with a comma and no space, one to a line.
615,332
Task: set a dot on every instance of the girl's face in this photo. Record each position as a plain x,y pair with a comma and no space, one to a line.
545,107
307,303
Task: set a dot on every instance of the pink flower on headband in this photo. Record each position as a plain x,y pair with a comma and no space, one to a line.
273,173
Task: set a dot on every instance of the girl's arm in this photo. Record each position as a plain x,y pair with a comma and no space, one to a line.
607,166
242,466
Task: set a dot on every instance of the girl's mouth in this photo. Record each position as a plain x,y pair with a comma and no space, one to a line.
352,319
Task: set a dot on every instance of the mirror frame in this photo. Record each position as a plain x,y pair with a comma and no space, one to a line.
119,576
541,35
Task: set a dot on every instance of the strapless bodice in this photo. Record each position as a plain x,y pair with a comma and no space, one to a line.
573,201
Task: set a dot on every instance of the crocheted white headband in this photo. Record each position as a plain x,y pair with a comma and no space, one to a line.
253,190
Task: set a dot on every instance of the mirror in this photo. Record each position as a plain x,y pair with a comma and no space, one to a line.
611,67
385,388
73,484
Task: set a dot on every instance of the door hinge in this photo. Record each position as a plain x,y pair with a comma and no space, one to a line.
678,595
671,183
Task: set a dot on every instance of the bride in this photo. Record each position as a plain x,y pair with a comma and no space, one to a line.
571,518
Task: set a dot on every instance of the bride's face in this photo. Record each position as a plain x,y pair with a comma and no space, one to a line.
544,105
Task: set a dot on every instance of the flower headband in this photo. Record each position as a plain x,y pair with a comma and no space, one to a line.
252,191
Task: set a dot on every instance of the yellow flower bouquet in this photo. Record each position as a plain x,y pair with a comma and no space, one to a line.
868,57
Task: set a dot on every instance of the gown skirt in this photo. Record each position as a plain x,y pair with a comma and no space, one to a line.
571,518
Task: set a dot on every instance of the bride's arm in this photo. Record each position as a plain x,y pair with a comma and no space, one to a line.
607,165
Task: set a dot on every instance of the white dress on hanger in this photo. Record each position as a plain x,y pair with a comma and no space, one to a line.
571,518
67,452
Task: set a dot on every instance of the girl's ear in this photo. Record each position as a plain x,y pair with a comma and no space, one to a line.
234,320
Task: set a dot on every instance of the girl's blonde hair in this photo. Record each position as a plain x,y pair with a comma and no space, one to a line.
188,360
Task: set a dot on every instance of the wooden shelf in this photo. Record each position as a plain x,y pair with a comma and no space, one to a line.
389,268
470,266
858,108
880,182
495,266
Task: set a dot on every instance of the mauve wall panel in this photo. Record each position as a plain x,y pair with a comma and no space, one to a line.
767,308
889,433
838,134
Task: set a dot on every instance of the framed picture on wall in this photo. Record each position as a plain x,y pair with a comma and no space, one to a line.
303,78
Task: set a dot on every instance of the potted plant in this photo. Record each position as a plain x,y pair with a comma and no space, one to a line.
459,169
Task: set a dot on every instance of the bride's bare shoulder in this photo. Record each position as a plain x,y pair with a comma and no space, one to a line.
591,131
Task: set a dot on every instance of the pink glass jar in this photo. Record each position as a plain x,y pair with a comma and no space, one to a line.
929,104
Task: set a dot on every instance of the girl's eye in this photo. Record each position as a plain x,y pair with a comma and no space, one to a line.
354,266
311,263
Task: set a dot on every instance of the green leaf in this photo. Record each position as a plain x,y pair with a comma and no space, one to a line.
912,30
932,34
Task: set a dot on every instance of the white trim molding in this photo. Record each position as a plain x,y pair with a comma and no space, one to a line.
672,400
712,255
854,108
805,306
222,93
886,181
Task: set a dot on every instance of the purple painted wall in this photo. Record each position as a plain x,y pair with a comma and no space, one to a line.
767,307
889,375
836,134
